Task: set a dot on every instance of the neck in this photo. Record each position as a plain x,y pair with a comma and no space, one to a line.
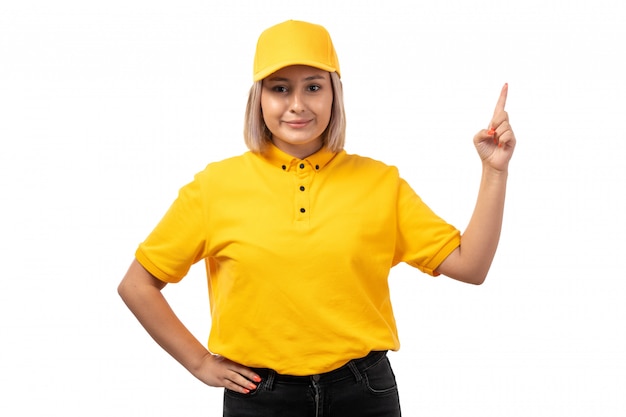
299,151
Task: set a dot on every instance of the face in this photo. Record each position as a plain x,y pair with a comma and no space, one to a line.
297,102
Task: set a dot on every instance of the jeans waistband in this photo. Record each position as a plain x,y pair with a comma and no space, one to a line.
352,369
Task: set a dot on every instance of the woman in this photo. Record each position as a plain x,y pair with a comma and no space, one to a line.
298,238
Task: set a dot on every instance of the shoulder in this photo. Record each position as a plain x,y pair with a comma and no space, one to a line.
229,163
367,165
225,167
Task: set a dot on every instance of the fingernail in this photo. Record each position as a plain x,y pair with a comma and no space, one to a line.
257,378
491,131
251,386
246,391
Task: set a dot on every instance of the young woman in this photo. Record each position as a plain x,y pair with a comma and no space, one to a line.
298,238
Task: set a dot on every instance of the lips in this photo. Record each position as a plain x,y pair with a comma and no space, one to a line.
297,124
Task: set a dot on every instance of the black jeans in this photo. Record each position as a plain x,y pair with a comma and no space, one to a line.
362,388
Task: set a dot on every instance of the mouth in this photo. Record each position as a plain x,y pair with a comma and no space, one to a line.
297,124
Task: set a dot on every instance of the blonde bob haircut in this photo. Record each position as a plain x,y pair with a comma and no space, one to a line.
257,136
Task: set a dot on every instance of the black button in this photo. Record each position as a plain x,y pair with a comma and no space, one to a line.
301,166
284,167
302,210
317,167
301,188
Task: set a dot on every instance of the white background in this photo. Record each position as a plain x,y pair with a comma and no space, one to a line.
107,108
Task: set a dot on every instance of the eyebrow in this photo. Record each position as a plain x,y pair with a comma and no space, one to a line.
310,78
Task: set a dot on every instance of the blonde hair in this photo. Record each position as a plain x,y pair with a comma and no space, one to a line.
257,136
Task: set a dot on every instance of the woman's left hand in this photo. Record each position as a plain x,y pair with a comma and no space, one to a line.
495,145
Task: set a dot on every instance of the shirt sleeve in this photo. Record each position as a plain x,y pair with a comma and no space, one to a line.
424,240
179,239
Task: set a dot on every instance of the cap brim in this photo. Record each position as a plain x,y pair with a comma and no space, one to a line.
267,71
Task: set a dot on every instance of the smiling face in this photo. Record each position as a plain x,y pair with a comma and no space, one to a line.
296,102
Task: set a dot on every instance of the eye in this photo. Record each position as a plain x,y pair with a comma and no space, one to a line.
314,87
279,89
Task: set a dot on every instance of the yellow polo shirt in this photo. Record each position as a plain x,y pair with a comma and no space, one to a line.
298,254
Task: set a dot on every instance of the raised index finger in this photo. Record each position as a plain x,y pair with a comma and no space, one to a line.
501,99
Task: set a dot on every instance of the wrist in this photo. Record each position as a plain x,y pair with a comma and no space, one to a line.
489,172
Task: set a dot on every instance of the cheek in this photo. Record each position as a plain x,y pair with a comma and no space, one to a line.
265,112
270,109
325,108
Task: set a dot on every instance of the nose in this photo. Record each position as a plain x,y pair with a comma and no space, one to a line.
297,104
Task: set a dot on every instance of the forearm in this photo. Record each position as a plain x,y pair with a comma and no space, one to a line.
480,239
471,261
142,294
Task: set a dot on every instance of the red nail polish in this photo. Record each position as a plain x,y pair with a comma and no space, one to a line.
257,378
491,131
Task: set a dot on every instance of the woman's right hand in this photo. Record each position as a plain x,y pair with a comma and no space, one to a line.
217,371
141,291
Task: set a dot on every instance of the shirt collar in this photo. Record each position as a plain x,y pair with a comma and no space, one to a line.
287,162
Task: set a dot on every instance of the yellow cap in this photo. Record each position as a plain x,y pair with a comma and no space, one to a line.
294,43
